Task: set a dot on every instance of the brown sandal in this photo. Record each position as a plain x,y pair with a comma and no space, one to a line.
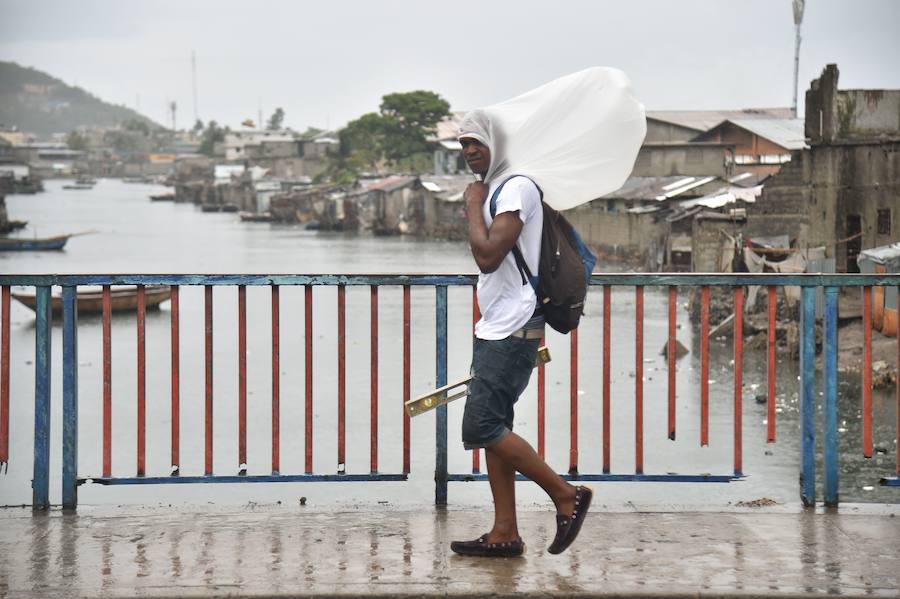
481,548
568,527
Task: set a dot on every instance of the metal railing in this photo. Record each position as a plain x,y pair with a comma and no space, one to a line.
71,478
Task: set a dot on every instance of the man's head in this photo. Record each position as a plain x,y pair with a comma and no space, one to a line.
477,155
477,137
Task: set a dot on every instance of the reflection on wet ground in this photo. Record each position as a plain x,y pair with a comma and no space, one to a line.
281,551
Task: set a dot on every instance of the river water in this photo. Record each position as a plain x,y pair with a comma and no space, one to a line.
129,234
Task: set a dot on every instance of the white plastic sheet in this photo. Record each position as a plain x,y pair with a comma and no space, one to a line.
577,137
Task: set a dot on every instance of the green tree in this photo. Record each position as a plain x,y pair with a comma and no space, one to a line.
198,127
76,141
137,126
395,137
212,134
408,120
276,121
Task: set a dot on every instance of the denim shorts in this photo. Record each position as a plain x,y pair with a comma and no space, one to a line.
500,372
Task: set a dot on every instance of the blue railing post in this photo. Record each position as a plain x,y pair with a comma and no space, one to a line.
70,399
440,459
831,397
808,396
40,482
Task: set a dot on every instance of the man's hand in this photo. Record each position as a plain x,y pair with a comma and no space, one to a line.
489,246
474,197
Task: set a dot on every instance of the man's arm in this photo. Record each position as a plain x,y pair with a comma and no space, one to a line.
489,246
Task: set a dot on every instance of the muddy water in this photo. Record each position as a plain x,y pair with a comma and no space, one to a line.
134,235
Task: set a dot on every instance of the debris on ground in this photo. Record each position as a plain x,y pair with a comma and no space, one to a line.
761,502
680,349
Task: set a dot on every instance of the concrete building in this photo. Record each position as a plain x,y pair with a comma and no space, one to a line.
686,125
660,159
843,192
758,145
236,141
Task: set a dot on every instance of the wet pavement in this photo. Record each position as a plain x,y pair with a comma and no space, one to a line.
293,551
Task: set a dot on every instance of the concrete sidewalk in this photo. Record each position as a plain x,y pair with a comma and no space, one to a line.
371,552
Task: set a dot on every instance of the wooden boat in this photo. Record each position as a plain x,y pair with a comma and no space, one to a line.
12,225
256,217
229,208
163,197
23,244
78,186
90,299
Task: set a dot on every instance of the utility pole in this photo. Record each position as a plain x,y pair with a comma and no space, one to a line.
172,108
194,83
798,20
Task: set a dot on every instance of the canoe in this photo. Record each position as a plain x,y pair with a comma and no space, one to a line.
78,186
22,244
90,299
163,197
256,217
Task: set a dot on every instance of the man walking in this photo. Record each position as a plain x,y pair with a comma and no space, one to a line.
506,342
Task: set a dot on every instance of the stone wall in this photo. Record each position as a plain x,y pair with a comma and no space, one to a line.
813,196
660,160
617,233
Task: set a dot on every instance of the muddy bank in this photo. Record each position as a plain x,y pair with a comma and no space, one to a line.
787,331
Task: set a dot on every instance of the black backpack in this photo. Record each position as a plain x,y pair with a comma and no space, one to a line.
564,268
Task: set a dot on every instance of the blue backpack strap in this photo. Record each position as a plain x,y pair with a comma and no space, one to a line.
524,271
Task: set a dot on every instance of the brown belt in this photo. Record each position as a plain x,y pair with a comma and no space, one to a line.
528,333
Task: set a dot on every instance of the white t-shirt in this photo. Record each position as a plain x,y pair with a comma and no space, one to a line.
505,303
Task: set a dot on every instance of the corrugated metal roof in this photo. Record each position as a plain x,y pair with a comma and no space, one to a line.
389,184
450,187
448,127
704,120
889,255
787,133
658,188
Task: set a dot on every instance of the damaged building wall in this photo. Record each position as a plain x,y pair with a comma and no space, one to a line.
712,241
844,191
833,114
617,233
693,159
845,197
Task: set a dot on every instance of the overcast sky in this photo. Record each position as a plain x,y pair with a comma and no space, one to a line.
328,62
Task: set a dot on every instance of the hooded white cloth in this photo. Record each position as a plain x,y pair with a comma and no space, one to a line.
577,137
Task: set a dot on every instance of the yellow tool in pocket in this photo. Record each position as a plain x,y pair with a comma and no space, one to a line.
448,393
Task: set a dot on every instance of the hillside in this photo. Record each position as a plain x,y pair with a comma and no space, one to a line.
37,103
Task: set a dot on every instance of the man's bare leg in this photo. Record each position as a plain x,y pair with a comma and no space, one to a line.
515,452
502,477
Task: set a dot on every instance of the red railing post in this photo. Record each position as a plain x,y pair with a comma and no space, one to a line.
406,376
573,402
738,375
673,300
867,372
476,315
276,381
208,412
107,381
4,377
373,378
176,383
704,366
606,363
141,381
639,381
770,362
342,389
242,379
308,374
